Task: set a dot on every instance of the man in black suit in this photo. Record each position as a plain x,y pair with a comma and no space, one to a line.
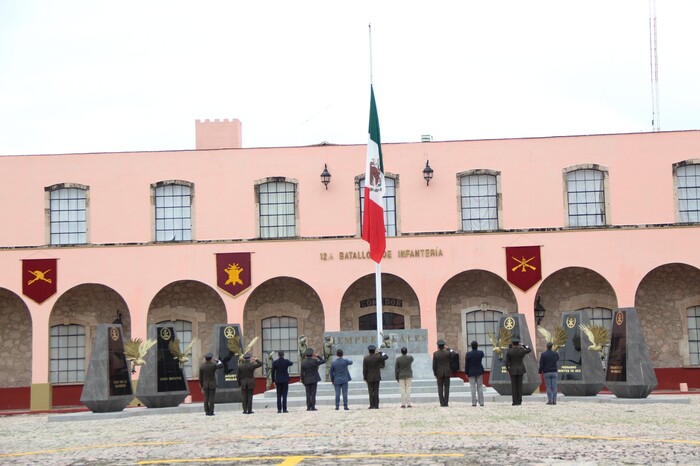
516,368
246,380
371,373
442,371
207,381
280,376
475,371
310,377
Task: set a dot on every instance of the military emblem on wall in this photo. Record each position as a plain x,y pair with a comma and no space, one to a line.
39,278
523,266
233,272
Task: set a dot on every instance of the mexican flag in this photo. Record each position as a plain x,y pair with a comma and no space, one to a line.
373,230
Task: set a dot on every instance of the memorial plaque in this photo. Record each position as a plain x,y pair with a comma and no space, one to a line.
171,377
617,357
119,375
107,386
630,373
580,369
227,345
499,378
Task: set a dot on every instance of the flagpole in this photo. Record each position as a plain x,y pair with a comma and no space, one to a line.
378,266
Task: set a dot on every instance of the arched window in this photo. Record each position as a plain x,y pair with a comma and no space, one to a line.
389,204
390,321
478,325
277,209
479,200
585,197
183,332
67,354
67,214
173,211
281,333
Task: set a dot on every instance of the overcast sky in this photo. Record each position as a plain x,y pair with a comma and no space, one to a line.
84,76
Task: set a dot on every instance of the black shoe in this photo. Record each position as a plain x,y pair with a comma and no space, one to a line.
314,409
346,408
337,408
251,412
279,411
285,411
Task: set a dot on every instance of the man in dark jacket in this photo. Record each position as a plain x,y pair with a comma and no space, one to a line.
340,377
516,368
548,367
442,371
280,376
246,380
404,376
207,381
475,371
371,373
310,377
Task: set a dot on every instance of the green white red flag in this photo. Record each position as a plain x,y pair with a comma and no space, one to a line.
373,230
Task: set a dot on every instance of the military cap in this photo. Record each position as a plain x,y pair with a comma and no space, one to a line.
208,356
246,356
309,352
371,347
441,343
516,341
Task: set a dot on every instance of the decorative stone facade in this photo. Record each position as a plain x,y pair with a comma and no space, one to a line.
15,341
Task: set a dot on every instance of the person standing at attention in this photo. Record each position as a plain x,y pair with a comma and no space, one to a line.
404,376
280,376
310,377
475,371
548,367
340,376
516,368
246,380
207,381
442,371
371,373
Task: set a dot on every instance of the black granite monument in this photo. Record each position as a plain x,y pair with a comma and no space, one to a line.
500,379
580,369
107,385
630,373
227,344
162,382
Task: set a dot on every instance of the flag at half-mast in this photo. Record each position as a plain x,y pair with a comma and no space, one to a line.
373,219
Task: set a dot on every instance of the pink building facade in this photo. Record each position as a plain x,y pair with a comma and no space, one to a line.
615,217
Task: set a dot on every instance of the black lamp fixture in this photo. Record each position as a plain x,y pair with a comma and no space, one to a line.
427,173
325,176
539,311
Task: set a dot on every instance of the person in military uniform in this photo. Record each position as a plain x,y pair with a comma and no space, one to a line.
516,368
207,381
442,371
310,377
371,373
246,380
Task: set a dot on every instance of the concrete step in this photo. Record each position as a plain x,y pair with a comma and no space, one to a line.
422,391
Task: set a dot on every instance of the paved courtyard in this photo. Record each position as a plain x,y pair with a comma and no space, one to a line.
572,432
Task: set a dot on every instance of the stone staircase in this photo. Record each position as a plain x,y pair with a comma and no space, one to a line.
422,391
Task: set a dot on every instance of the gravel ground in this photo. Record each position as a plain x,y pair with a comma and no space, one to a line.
532,434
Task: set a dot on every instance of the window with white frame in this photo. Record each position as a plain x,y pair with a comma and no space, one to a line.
183,332
389,204
173,211
277,209
694,335
280,333
67,354
67,214
479,201
585,190
478,325
688,182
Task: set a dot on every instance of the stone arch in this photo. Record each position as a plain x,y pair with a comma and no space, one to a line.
469,290
194,302
570,289
360,299
284,297
15,340
662,299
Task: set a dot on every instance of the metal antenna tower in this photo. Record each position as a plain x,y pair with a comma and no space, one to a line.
654,62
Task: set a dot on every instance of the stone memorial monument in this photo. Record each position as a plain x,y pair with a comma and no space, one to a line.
500,379
162,382
581,371
227,344
107,385
354,345
630,373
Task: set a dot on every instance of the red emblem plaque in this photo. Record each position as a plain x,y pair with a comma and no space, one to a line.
233,272
523,266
